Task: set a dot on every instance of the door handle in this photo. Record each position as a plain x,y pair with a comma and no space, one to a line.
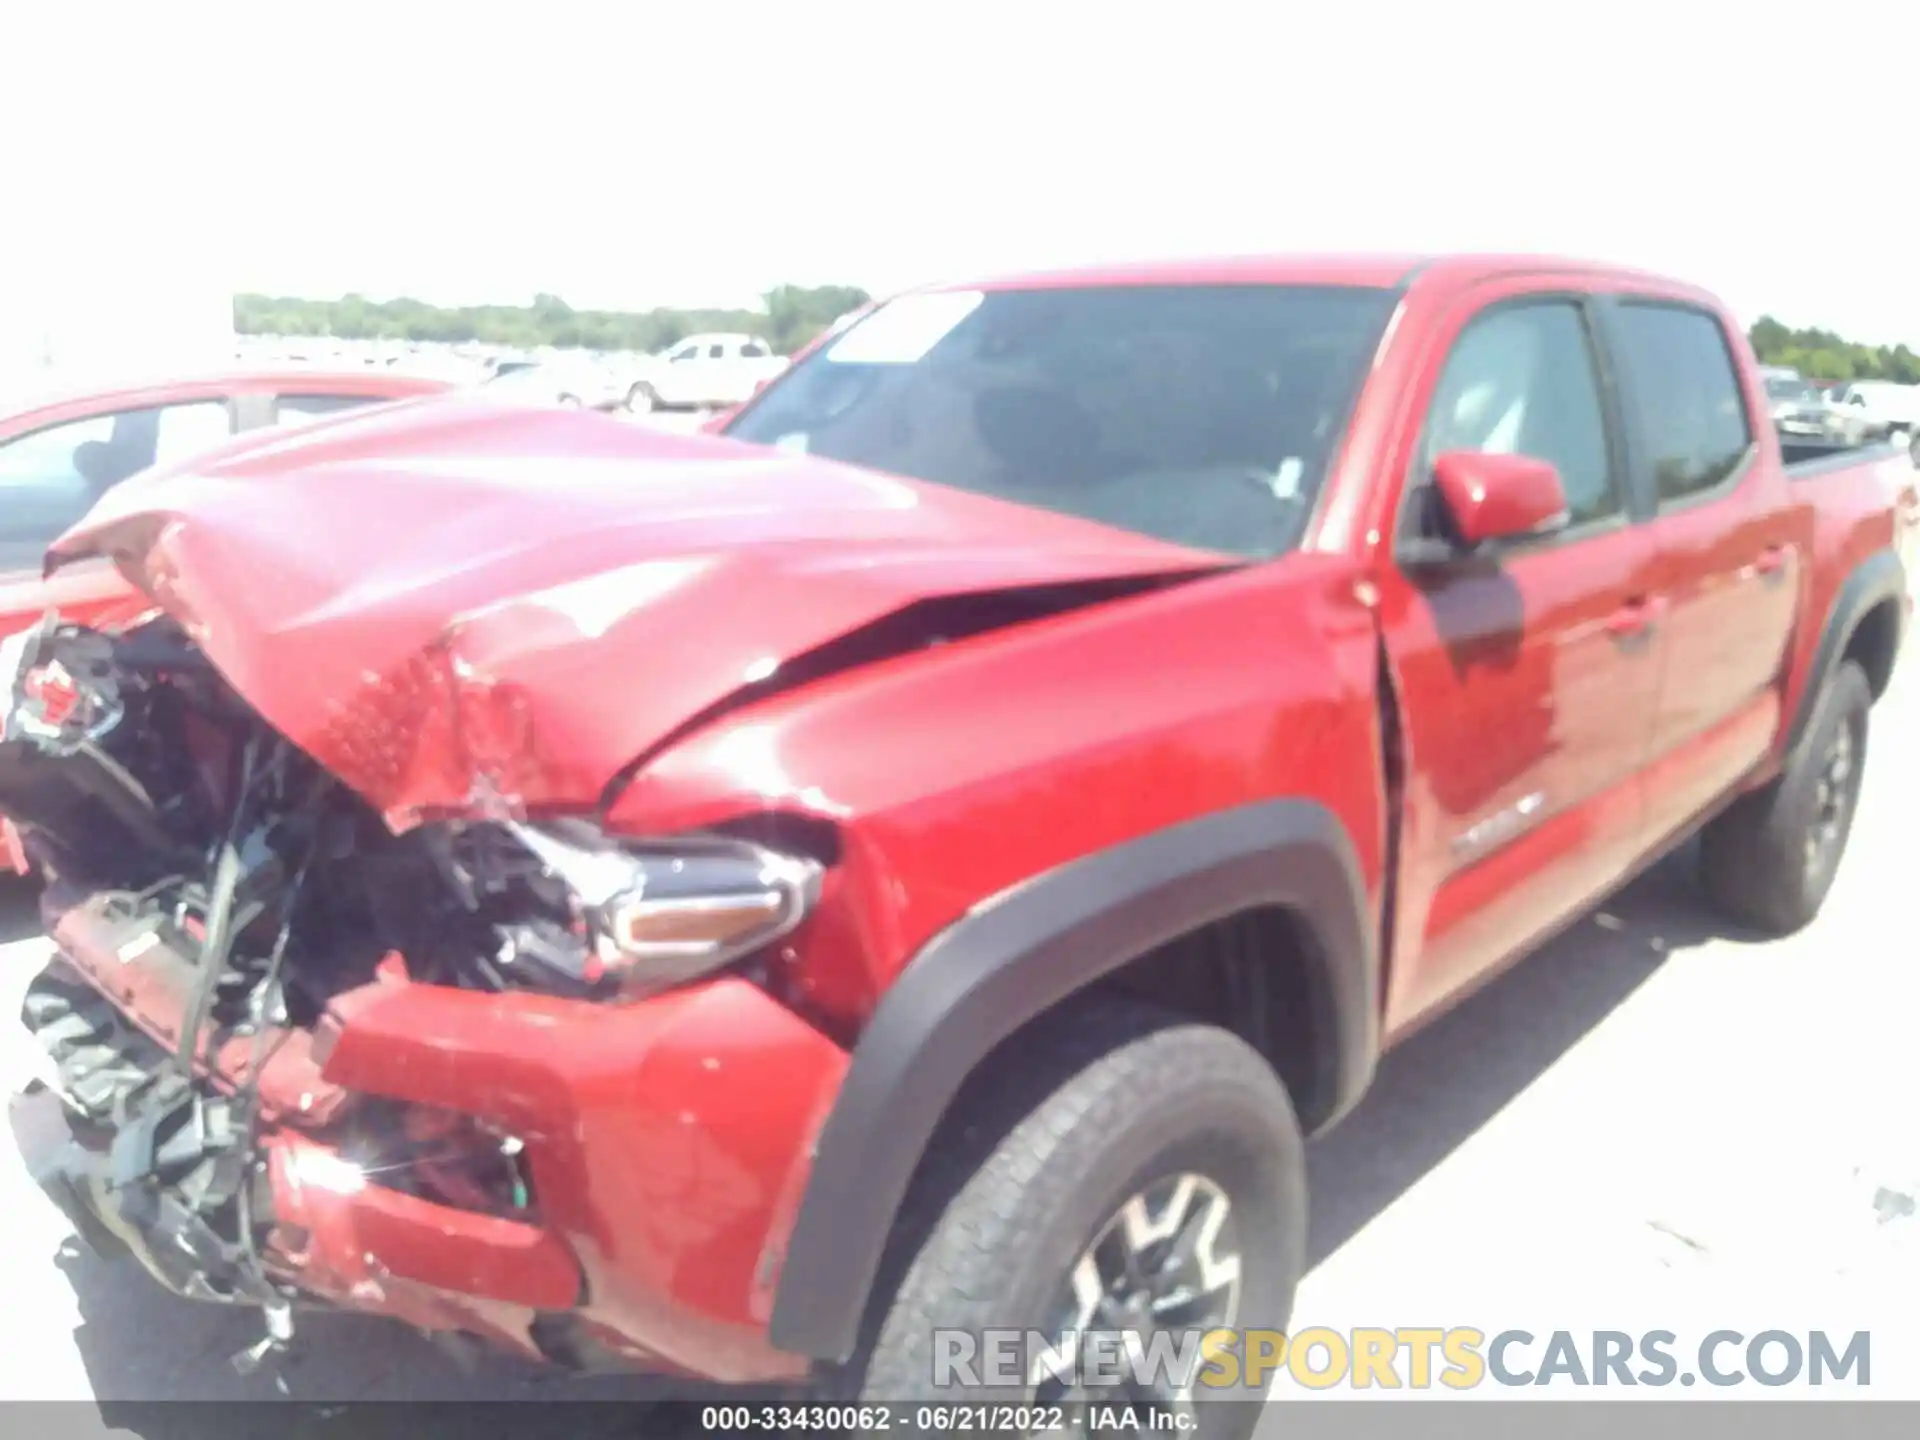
1772,564
1632,625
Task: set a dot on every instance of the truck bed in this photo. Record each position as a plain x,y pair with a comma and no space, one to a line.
1804,462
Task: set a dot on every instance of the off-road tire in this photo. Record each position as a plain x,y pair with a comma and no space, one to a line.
1052,1136
1754,855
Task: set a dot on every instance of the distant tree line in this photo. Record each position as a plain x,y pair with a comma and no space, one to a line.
1823,355
792,316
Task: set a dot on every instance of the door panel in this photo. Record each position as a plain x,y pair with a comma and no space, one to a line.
1728,548
1731,578
1526,702
1528,674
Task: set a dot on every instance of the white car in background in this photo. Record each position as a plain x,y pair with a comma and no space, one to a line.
703,372
1886,407
582,382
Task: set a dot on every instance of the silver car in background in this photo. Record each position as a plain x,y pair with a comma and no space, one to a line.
1802,414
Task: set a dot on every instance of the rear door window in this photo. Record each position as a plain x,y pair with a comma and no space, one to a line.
181,431
1693,423
294,409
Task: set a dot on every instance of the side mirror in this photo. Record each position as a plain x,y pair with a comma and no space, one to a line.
1499,497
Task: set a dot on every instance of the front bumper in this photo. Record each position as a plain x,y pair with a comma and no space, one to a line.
668,1143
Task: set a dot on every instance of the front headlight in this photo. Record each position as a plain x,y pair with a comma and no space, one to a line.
649,915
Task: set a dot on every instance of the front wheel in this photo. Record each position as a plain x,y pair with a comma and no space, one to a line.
1770,858
1101,1200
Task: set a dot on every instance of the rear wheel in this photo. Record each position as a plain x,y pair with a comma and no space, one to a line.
1771,857
1128,1171
641,400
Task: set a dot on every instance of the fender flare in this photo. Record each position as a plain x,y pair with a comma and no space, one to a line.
1875,581
1014,957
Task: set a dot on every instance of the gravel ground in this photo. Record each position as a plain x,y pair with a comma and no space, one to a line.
1653,1123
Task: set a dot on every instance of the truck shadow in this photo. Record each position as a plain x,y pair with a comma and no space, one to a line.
144,1352
1440,1086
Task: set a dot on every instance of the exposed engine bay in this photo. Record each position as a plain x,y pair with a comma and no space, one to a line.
217,901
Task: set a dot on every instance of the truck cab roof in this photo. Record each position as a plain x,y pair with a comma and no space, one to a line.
1387,270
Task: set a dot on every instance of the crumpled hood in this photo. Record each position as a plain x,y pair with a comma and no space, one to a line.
456,605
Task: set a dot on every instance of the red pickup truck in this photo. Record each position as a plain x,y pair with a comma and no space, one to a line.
741,905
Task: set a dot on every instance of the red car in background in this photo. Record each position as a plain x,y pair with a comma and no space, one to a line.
61,453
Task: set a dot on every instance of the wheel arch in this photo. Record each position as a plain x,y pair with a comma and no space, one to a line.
1028,951
1865,624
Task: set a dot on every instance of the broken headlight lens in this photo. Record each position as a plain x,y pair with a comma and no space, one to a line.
657,915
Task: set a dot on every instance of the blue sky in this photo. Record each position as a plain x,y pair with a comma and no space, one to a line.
625,154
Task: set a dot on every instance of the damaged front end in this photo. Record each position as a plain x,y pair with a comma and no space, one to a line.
292,1056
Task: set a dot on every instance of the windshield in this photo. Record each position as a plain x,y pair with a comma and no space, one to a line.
1790,387
1201,415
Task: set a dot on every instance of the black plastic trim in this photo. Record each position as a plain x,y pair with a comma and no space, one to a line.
1015,957
1875,581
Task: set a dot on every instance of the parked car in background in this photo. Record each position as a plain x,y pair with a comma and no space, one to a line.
575,382
1802,414
924,858
58,456
1885,409
703,372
